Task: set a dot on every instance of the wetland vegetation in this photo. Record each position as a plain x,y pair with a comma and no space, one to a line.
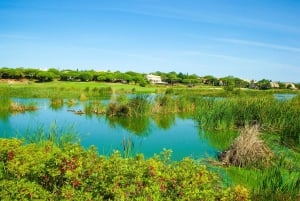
256,132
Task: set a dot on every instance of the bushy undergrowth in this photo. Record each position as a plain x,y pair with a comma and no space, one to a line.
47,172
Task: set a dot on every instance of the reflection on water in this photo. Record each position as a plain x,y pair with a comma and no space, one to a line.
137,125
148,134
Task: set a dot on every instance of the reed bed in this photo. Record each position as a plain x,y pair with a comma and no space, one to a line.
17,107
281,117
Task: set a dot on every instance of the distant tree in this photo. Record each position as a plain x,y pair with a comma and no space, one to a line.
109,77
182,76
264,84
172,78
85,76
210,80
4,73
143,83
69,75
18,73
30,73
44,76
230,85
281,85
126,77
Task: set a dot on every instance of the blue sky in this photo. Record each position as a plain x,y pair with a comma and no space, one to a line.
250,39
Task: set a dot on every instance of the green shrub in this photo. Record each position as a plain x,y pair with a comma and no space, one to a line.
47,172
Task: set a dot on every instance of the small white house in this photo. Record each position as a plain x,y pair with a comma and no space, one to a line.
154,79
290,85
274,85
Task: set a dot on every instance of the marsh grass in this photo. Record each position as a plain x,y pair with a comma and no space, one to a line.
94,107
122,106
279,180
273,183
17,107
281,117
56,103
71,102
128,146
60,136
5,103
68,89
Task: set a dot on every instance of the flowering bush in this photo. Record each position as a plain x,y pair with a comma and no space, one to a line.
47,172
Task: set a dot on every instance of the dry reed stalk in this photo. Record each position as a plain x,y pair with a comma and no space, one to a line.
16,107
247,149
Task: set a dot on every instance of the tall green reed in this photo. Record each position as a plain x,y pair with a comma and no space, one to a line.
59,136
281,117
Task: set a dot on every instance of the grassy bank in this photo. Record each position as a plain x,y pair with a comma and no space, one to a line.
65,89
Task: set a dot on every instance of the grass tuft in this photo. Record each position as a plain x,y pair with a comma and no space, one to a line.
247,150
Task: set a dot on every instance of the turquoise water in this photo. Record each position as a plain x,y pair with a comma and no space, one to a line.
284,96
149,135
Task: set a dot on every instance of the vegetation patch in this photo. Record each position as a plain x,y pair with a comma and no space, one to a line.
247,150
47,172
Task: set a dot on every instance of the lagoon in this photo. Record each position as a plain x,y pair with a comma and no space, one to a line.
149,135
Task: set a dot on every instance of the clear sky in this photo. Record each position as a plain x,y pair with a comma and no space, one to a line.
250,39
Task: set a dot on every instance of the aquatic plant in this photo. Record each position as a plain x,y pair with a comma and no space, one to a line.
281,117
5,103
59,136
276,184
56,103
71,102
17,107
128,146
133,107
82,97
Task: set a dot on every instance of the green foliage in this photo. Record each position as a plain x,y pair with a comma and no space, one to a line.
122,106
264,84
282,117
46,172
45,76
273,183
85,76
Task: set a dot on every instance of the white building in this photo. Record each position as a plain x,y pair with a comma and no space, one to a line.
154,79
274,85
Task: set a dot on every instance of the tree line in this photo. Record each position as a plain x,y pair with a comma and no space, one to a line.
172,78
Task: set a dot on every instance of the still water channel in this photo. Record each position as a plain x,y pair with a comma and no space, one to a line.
149,135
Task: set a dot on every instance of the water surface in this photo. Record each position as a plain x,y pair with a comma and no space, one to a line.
149,135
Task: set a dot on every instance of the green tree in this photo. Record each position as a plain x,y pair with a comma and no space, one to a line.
30,73
85,76
69,75
44,76
210,80
264,84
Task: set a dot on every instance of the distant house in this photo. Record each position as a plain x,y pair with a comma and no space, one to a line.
154,79
290,85
274,85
